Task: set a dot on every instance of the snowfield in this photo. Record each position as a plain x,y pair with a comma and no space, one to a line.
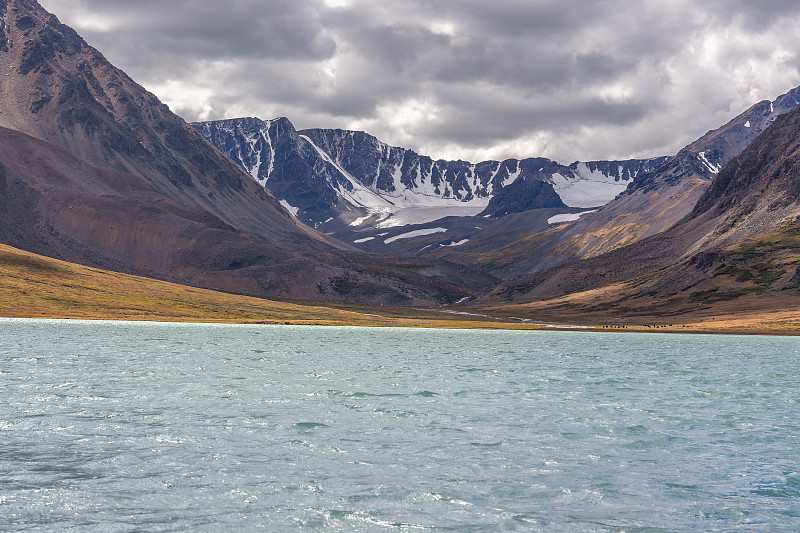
568,217
591,189
415,233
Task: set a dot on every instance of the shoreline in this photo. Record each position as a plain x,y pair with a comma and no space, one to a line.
433,324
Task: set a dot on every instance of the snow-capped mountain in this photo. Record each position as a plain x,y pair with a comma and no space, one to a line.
338,179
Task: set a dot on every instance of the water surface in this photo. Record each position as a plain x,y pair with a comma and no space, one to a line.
121,426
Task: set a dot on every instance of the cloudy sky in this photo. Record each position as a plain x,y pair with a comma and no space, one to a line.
469,79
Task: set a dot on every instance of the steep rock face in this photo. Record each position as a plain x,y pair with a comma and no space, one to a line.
532,190
392,170
348,182
771,165
758,189
96,170
58,89
706,156
272,150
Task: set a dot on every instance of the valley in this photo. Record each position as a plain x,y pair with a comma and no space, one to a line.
345,265
97,172
33,286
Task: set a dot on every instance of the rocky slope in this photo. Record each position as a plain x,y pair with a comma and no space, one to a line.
95,170
741,237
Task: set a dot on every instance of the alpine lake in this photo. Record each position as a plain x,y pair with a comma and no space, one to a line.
134,426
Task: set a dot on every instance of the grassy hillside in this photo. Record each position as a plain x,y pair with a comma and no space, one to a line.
752,287
35,286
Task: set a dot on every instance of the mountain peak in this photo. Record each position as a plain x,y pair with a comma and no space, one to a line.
26,21
765,174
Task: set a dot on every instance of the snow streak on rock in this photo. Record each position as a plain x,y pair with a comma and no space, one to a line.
389,186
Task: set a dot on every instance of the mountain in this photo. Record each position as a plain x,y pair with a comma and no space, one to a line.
741,239
655,201
660,198
507,217
95,170
358,189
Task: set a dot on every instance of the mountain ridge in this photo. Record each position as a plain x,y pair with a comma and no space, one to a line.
366,192
653,203
353,186
741,237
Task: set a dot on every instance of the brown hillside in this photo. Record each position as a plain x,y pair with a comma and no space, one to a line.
96,170
740,239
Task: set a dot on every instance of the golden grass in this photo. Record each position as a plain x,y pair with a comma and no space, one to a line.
607,238
771,313
34,286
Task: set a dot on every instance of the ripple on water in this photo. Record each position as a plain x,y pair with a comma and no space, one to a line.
212,427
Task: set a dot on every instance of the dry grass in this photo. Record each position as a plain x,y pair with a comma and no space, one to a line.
40,287
34,286
772,313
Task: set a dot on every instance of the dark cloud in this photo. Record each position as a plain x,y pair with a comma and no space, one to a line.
521,17
498,117
208,29
460,78
755,16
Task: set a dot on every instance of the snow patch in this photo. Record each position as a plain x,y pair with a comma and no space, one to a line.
425,215
588,188
512,177
360,220
359,241
568,217
747,124
291,209
459,243
714,169
415,233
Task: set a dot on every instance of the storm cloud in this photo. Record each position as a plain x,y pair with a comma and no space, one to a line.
460,79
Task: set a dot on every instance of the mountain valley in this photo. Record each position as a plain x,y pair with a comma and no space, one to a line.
96,171
508,218
362,191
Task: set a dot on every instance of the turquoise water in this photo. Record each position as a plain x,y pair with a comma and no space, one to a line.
166,427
